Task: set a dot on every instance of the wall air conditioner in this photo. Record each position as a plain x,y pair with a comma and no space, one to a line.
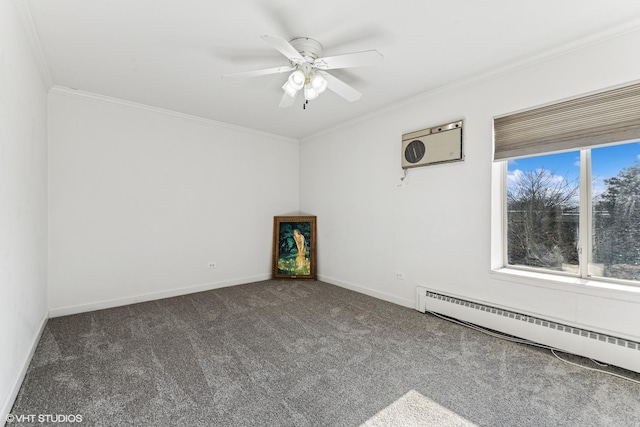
439,144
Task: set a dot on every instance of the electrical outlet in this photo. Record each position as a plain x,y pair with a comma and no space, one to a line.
399,275
211,264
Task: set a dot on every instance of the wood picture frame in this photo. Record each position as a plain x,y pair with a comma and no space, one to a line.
294,247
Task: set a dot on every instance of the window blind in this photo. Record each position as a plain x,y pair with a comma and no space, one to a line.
600,118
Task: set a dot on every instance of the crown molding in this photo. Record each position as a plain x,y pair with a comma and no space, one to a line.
531,60
22,6
77,93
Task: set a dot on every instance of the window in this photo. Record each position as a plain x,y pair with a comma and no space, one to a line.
560,217
615,212
572,189
543,206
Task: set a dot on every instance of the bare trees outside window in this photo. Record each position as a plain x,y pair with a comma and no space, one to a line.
547,227
543,214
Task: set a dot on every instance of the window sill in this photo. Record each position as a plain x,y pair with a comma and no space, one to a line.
576,285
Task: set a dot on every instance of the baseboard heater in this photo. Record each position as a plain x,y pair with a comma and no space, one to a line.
606,348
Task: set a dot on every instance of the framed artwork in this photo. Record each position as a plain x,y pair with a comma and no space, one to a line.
294,247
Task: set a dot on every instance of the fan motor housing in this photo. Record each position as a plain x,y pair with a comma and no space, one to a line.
310,49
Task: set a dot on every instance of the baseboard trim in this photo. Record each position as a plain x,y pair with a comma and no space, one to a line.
119,302
15,388
367,291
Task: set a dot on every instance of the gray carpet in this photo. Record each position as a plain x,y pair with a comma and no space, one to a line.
295,353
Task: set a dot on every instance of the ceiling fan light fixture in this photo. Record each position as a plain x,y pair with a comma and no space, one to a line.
307,69
319,83
289,89
296,79
310,93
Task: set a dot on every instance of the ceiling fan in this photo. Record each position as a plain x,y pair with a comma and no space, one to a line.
308,69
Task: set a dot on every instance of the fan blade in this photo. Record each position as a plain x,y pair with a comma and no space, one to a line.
341,88
285,48
288,100
348,60
255,73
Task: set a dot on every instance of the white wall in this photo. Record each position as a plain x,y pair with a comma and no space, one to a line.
23,204
438,229
141,200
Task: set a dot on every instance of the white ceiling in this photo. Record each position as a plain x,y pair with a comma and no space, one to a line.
172,54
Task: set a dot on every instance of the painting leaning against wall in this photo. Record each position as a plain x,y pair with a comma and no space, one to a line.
294,247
